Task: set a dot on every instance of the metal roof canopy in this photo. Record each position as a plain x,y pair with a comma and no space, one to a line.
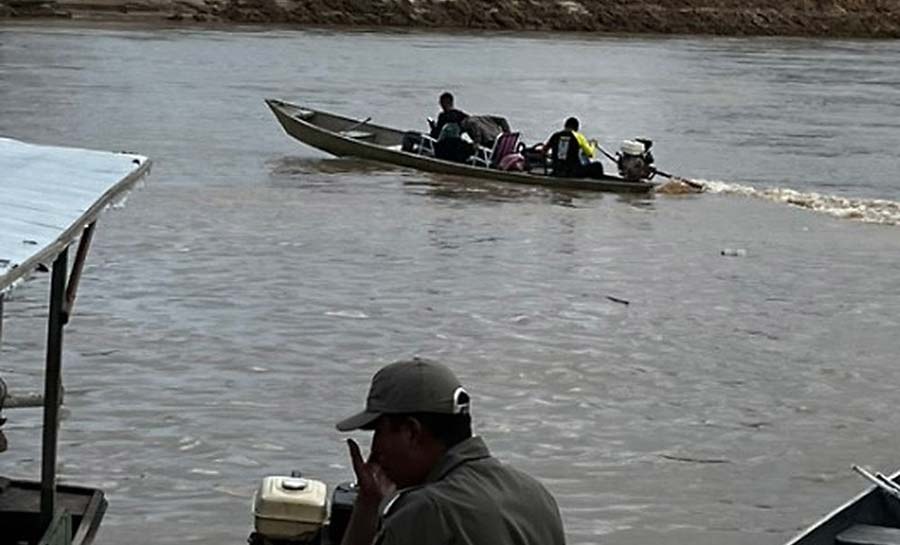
50,196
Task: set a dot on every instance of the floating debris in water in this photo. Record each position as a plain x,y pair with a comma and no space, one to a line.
694,460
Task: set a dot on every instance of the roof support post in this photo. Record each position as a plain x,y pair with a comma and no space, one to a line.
84,245
2,297
53,385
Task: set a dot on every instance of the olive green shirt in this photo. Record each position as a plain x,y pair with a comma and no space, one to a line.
470,498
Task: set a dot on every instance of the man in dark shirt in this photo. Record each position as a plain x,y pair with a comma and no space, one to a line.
449,114
428,479
571,154
448,133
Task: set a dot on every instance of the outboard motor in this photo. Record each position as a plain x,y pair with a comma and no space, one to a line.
343,499
294,511
289,511
635,161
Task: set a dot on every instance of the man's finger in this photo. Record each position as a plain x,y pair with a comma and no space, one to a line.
356,457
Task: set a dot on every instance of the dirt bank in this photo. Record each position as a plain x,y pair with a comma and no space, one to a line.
836,18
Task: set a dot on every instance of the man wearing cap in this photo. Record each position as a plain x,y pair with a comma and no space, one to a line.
428,480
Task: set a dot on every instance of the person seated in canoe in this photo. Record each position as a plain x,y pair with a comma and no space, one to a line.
447,131
449,114
571,154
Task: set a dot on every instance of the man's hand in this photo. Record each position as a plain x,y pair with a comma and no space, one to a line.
374,485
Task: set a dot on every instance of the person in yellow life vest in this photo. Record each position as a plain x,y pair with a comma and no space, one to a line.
571,154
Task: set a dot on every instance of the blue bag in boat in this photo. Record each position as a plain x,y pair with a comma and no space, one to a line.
450,130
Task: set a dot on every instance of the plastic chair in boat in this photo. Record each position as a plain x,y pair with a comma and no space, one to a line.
418,143
426,145
504,144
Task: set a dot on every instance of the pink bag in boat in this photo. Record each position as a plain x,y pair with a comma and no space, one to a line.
513,161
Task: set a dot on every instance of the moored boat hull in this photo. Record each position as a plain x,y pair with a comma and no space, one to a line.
871,517
20,513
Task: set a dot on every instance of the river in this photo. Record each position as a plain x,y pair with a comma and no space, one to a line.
239,302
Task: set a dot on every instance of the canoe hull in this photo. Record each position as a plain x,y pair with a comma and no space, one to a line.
322,131
20,516
871,508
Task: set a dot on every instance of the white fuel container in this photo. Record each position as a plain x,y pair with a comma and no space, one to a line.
290,508
630,147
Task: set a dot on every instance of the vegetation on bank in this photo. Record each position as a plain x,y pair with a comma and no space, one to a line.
832,18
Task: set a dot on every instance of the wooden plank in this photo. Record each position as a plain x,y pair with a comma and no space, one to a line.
59,532
359,135
866,534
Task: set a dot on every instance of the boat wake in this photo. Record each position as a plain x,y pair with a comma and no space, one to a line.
881,211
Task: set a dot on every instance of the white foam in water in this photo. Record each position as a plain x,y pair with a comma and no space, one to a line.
356,314
866,210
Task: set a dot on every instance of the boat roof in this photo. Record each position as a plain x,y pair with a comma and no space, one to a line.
50,194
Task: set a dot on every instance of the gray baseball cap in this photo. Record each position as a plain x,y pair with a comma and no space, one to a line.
414,386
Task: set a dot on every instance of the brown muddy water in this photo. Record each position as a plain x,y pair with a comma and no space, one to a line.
239,302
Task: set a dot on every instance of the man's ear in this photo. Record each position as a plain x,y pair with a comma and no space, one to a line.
415,427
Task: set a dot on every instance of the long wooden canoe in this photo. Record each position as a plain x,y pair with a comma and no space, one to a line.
348,137
871,518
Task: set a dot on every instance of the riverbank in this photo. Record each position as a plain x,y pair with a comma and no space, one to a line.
825,18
